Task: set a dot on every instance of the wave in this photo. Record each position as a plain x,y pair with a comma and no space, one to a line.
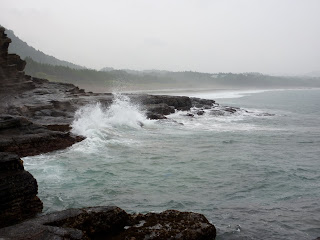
219,120
95,117
117,124
226,94
103,125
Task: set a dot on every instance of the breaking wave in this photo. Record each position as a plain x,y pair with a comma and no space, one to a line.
104,125
93,118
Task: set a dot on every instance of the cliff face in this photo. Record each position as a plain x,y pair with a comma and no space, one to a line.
18,135
18,190
12,77
23,101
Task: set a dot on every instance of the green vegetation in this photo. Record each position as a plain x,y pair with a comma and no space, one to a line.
135,80
92,79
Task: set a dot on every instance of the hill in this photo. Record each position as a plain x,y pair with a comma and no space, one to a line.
24,50
109,79
122,80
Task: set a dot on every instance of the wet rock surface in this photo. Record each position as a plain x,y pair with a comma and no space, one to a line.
18,190
21,136
112,223
170,224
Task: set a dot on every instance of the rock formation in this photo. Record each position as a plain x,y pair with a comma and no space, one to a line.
20,136
12,77
114,224
35,117
18,190
20,100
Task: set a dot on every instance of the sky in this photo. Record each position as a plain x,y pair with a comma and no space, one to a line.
267,36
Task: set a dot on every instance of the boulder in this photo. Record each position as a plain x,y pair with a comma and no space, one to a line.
112,223
177,102
170,224
161,108
202,103
155,116
18,191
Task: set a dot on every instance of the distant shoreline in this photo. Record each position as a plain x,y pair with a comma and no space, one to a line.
200,92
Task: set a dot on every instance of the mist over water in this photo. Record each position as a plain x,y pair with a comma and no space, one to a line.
255,176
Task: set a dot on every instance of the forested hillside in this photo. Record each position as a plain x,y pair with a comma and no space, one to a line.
135,80
108,79
24,50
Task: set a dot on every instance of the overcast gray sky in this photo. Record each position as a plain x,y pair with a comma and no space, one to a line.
268,36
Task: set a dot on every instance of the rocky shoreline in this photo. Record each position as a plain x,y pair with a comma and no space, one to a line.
112,223
35,118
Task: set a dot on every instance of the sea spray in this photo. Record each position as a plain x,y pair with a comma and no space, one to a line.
102,125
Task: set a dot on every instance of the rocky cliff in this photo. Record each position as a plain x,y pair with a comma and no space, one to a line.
12,77
18,190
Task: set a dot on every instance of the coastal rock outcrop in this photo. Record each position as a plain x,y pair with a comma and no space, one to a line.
112,223
35,118
20,136
178,102
12,77
170,224
18,190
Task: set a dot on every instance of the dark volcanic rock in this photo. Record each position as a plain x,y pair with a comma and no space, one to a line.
12,78
86,223
200,112
18,190
155,116
179,103
223,111
170,224
157,111
112,223
202,103
20,136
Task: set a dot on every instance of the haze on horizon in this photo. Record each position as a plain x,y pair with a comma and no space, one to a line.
267,36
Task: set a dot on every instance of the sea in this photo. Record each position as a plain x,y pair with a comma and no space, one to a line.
254,174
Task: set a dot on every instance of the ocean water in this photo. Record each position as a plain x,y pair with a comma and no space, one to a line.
254,175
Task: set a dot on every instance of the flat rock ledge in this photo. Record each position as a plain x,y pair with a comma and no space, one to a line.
25,138
112,223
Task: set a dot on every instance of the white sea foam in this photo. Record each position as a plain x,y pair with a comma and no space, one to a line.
94,119
239,121
211,93
226,94
103,125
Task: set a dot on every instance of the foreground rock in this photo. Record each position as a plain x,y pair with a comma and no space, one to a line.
18,190
112,223
170,224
